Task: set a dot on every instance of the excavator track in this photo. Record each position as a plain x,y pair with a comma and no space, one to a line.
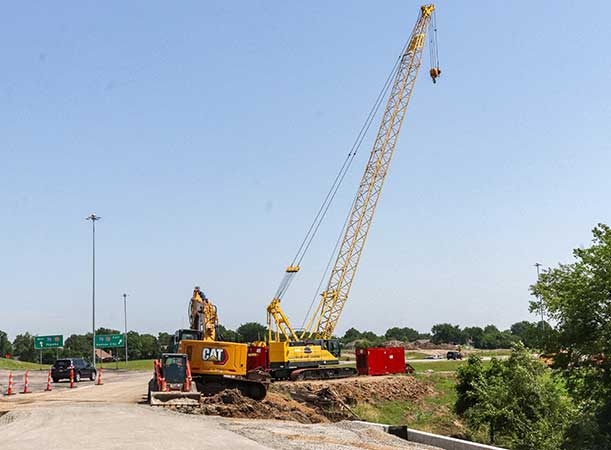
322,373
255,389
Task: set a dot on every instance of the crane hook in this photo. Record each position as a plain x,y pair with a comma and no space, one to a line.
435,72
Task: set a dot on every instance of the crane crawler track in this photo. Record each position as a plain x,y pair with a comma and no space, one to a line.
323,373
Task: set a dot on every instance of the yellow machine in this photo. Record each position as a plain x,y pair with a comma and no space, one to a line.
216,365
313,353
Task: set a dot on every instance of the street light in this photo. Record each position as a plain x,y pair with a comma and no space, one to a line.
537,265
125,316
93,219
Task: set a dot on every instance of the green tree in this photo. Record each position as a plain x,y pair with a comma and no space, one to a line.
445,333
577,297
165,341
401,334
251,331
5,345
149,347
351,334
134,345
227,335
78,345
516,403
473,336
23,347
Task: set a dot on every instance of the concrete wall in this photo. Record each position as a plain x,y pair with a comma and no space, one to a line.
435,440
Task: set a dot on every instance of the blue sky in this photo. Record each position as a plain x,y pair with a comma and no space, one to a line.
207,133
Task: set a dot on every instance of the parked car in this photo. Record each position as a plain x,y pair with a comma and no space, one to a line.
82,369
454,355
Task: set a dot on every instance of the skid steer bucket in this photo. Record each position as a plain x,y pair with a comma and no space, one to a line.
175,398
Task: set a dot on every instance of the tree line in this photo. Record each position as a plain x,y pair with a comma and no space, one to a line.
531,334
149,346
139,346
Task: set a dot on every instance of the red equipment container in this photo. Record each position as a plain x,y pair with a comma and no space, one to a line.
380,361
257,358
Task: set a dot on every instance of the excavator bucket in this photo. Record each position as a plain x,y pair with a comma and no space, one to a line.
175,398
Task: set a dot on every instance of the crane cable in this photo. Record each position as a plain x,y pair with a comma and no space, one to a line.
366,127
337,182
434,62
433,47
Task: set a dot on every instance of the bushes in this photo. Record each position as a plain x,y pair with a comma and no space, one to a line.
514,403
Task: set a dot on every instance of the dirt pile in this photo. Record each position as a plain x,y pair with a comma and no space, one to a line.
231,403
312,401
352,391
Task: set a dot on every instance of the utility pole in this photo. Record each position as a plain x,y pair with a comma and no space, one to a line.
93,219
125,334
537,265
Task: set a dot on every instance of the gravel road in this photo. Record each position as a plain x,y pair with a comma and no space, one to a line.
115,416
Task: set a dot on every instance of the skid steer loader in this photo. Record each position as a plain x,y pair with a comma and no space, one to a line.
172,383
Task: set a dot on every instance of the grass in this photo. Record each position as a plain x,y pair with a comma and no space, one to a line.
440,366
138,364
491,353
433,413
12,364
415,355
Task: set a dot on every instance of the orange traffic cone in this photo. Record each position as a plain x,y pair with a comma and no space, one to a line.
99,383
71,377
10,384
48,381
26,383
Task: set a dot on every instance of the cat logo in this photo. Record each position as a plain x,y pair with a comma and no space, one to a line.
215,355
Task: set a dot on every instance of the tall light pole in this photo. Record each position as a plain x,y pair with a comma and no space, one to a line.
537,265
125,334
93,219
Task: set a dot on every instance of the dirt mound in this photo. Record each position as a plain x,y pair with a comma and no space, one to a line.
361,389
312,401
231,403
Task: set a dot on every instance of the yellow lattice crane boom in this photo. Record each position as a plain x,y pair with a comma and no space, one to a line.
288,348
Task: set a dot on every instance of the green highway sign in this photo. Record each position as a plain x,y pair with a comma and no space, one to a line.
109,341
43,342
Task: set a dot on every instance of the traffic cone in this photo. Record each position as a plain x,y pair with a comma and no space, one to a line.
71,377
26,383
48,382
99,383
10,384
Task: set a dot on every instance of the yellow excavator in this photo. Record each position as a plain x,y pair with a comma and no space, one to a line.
313,352
216,365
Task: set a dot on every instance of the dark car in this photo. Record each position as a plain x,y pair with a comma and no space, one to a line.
82,369
454,355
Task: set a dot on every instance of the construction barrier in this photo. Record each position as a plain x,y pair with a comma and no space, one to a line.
99,383
48,388
71,377
26,383
10,384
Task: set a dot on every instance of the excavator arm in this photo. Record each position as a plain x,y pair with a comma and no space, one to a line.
202,315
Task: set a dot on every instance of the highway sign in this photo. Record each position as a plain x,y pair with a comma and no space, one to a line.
43,342
109,341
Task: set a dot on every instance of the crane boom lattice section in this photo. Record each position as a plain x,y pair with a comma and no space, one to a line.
325,318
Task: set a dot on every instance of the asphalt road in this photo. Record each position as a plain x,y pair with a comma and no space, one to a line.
115,416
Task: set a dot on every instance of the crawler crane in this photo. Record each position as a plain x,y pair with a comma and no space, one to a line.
313,353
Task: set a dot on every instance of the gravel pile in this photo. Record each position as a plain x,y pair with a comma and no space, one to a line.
337,436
